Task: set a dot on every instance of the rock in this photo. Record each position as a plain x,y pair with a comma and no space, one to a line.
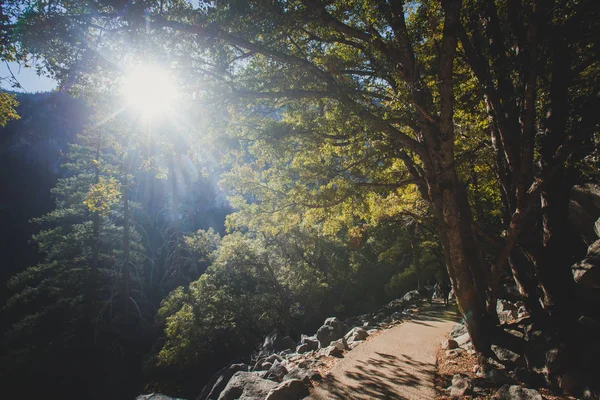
454,353
303,374
462,340
411,297
277,372
340,344
449,344
272,358
356,334
497,377
507,356
265,366
311,341
218,381
514,392
354,344
303,348
293,389
332,329
276,342
333,351
506,310
246,385
458,330
587,271
460,386
584,207
155,396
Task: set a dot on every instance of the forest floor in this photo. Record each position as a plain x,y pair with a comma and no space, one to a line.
399,363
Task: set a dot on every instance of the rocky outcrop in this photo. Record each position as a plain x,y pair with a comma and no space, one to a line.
246,386
155,396
332,329
293,389
275,342
218,381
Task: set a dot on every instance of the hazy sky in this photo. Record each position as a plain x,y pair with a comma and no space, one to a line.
27,77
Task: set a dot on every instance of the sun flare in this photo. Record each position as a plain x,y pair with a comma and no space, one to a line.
150,90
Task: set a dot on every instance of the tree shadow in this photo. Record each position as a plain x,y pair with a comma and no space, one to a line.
378,378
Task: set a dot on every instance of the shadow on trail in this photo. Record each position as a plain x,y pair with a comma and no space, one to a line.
380,376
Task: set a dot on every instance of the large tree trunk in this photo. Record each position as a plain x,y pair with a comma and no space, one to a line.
126,276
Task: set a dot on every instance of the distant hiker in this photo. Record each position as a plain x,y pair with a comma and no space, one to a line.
436,291
445,291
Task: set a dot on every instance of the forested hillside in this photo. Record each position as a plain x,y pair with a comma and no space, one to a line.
244,167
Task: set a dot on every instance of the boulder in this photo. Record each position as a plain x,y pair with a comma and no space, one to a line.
332,329
218,381
507,356
155,396
460,386
463,340
276,342
449,344
352,345
303,348
458,330
293,389
333,351
584,207
303,374
340,344
514,392
246,385
264,366
587,271
308,343
356,334
411,297
277,372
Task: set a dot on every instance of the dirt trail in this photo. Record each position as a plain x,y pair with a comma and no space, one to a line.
398,364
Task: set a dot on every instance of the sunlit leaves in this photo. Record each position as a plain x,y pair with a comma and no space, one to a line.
103,195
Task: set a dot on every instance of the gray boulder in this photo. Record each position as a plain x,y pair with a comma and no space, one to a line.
333,351
293,389
356,334
449,344
411,297
246,386
587,271
276,342
463,340
155,396
218,381
460,386
303,374
458,330
507,356
514,392
277,372
332,329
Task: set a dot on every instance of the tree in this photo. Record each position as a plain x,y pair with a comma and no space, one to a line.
368,90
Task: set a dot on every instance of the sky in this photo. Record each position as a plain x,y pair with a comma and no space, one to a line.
27,77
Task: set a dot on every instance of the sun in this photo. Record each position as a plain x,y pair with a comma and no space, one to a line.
150,90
